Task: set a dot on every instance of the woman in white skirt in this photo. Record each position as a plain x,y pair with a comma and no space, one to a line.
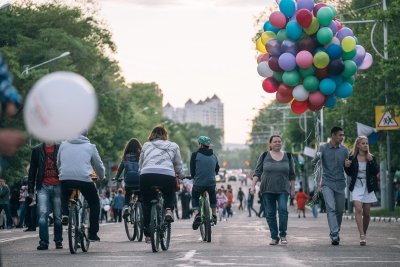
363,172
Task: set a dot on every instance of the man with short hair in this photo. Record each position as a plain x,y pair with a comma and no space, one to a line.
203,168
334,157
77,158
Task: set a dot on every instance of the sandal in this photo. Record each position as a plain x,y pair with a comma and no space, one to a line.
363,242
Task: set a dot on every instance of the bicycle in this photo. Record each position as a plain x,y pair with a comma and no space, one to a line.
78,223
206,217
160,230
134,219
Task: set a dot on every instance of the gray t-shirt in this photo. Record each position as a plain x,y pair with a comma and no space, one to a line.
275,175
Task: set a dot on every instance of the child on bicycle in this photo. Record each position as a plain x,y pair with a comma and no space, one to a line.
203,168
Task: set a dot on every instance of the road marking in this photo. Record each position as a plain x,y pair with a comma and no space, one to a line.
3,240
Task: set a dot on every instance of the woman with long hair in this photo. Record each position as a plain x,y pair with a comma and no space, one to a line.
275,169
160,160
130,163
363,171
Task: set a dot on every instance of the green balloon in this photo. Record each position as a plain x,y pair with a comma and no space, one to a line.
350,80
324,35
277,76
311,83
281,35
350,68
325,15
349,55
307,72
291,78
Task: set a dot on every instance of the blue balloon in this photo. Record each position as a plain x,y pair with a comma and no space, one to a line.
344,90
330,101
294,30
287,62
338,79
327,86
268,27
334,51
289,46
287,7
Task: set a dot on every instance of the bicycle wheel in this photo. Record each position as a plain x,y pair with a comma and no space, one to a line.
85,225
129,224
139,221
207,221
165,235
155,228
73,231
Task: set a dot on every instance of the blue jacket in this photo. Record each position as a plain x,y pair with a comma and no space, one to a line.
203,167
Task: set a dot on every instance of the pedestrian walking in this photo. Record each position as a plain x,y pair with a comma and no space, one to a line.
363,171
43,178
221,201
275,169
334,157
240,197
5,202
250,202
104,208
118,205
301,198
314,203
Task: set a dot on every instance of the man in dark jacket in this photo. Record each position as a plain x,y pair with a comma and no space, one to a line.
203,168
43,175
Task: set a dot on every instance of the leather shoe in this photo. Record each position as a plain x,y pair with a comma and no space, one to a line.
42,247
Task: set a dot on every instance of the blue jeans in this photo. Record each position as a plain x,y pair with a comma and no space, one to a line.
271,201
49,199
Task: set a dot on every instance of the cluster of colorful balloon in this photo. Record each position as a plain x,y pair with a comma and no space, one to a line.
307,57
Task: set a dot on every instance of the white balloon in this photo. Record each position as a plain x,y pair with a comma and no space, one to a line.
60,105
264,70
300,93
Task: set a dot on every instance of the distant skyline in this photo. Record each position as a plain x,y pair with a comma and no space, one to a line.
192,49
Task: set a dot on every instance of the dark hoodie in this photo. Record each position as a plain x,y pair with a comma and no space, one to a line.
203,167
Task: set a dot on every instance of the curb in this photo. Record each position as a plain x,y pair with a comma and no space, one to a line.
375,219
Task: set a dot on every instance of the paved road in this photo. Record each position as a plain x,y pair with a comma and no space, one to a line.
241,241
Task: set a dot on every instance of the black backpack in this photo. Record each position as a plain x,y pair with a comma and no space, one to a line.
132,174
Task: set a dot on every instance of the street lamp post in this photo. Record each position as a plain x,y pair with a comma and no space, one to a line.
27,68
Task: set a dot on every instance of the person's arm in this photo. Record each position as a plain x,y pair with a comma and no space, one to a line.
33,166
177,162
257,173
216,166
193,164
97,163
121,167
318,156
292,176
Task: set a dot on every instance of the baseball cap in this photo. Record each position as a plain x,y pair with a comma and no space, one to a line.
204,140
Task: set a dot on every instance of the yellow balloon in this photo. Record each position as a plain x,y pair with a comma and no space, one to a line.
348,43
260,46
321,60
313,28
265,36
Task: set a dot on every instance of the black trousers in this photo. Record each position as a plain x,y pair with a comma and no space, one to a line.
128,193
89,191
167,184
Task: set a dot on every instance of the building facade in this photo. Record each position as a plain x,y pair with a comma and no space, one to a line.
206,112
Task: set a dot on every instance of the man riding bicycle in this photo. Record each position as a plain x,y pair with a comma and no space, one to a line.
203,168
76,160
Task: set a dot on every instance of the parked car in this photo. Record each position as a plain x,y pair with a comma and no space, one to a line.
232,178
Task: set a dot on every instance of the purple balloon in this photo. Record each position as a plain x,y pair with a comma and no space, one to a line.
307,43
360,55
273,64
289,46
333,26
367,62
308,4
273,47
287,62
343,33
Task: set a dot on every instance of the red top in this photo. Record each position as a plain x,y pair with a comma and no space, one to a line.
50,168
301,199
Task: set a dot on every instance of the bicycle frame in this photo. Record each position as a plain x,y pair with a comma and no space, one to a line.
77,232
206,217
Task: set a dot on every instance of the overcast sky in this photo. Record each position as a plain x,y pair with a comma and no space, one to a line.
192,49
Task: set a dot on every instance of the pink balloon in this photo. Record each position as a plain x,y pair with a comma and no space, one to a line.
285,90
304,59
283,98
270,85
278,19
316,98
367,62
262,57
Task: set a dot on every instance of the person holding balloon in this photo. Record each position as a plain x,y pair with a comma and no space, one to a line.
334,158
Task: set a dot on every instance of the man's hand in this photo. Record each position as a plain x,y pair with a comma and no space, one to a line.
10,141
252,190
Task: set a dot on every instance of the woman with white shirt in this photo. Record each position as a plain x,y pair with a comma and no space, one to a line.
363,171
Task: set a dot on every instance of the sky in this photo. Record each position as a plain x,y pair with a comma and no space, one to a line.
192,49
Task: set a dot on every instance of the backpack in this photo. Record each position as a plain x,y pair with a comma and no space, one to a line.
287,153
132,174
